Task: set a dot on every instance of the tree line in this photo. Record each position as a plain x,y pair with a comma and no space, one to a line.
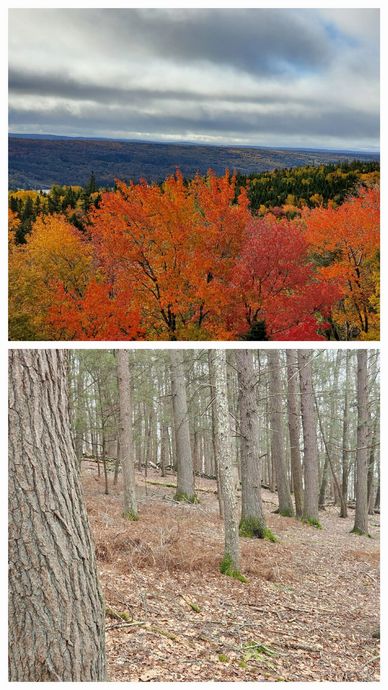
189,260
278,401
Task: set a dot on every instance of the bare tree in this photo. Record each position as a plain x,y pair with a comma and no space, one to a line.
231,561
56,612
252,523
361,517
309,424
277,449
185,471
293,407
125,435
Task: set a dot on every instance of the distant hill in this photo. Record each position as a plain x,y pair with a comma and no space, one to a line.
40,161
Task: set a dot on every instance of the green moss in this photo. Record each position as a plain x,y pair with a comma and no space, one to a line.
254,528
195,607
313,522
360,533
256,651
287,513
131,516
243,664
226,568
223,658
117,615
185,498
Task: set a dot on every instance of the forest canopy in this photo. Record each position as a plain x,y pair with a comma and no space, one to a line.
199,259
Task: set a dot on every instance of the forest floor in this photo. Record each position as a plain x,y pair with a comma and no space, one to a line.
307,613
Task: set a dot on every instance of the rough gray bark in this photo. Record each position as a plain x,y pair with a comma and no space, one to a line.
125,434
224,458
252,516
361,516
276,419
309,425
185,472
293,428
56,612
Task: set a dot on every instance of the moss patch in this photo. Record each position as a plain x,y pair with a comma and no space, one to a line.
185,498
360,533
117,615
286,513
226,568
254,528
313,522
223,658
131,516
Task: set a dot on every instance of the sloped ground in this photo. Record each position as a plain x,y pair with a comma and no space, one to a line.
307,613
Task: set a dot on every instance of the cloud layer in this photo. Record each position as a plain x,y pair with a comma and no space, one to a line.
260,77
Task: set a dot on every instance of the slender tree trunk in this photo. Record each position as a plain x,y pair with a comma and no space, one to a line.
56,611
185,474
252,522
276,417
371,468
328,463
125,435
231,561
293,427
345,442
117,465
309,424
361,517
105,464
215,432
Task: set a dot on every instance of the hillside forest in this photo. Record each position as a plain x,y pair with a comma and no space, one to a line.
283,255
181,515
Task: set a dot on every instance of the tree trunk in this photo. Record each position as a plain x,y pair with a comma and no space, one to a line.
293,427
231,562
361,517
125,437
309,425
215,432
371,468
276,418
56,611
345,443
252,523
185,474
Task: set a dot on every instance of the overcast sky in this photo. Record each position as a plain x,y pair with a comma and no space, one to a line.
304,78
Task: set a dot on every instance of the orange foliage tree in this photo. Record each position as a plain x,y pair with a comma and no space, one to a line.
55,253
174,246
345,242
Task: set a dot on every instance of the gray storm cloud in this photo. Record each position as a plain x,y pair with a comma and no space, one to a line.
275,77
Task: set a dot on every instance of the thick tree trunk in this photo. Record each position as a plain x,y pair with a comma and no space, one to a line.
252,517
310,458
56,612
125,435
294,427
361,517
231,560
276,418
185,472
